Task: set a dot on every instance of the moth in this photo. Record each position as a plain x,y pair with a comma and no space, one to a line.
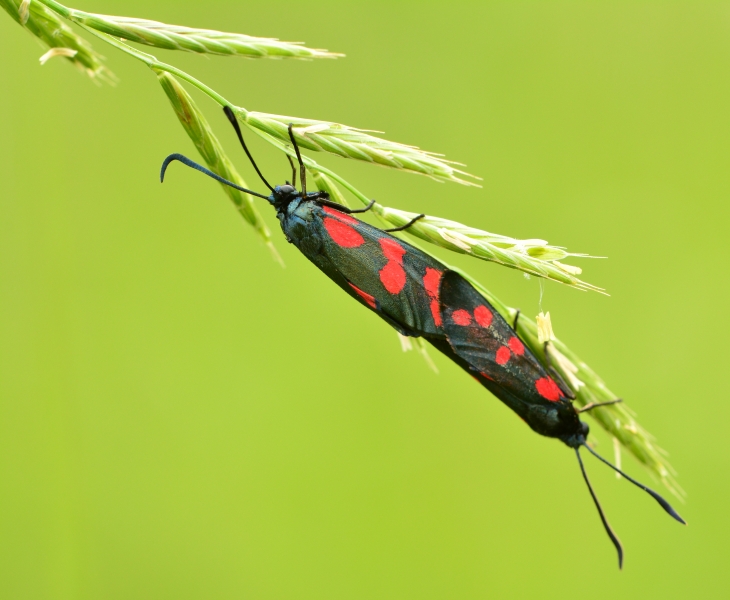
419,296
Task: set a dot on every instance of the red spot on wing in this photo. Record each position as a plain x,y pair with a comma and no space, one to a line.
461,317
503,355
436,313
340,215
342,234
392,275
548,389
483,374
392,249
516,346
431,281
370,300
483,316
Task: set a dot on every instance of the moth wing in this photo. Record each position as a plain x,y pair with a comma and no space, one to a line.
481,337
393,278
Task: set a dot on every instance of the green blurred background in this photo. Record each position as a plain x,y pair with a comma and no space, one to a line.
182,418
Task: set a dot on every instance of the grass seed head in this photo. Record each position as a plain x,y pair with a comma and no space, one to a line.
54,33
191,39
533,256
357,144
197,128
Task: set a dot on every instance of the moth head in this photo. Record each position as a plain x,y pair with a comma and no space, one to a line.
282,195
285,189
577,437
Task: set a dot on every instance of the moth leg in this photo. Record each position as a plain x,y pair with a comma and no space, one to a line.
593,405
293,171
517,316
406,226
362,210
556,376
342,208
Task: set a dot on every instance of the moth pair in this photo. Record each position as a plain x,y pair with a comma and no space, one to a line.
420,297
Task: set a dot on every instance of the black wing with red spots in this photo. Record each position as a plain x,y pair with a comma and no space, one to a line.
382,272
481,338
419,296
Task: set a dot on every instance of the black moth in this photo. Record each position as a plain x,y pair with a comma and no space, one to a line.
420,297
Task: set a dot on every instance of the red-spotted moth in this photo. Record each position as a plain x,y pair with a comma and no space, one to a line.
420,297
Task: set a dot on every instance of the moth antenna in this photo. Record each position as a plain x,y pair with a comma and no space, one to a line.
192,164
302,170
237,127
606,526
662,502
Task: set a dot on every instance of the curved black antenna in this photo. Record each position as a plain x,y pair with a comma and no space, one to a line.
606,526
191,163
236,126
302,170
662,502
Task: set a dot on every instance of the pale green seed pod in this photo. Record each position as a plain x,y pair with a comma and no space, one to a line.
48,27
350,142
533,256
190,39
197,128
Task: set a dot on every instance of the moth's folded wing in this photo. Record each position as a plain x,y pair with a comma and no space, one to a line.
480,336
